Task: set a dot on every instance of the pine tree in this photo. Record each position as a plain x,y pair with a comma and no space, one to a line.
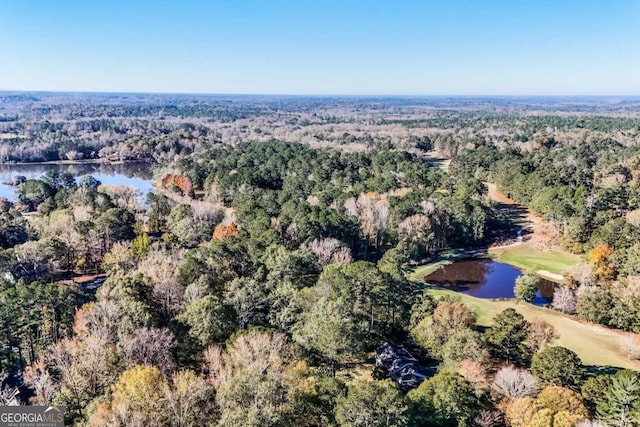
620,404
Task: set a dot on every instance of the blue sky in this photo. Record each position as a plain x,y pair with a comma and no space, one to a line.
405,47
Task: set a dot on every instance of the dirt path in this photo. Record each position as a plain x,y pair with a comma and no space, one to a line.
530,224
523,216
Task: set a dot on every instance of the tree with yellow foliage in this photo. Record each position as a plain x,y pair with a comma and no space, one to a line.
554,407
559,399
520,411
599,258
138,394
140,246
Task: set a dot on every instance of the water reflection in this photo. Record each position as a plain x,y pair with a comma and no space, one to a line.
545,290
138,175
485,278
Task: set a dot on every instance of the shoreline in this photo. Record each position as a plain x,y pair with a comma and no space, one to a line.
451,256
77,162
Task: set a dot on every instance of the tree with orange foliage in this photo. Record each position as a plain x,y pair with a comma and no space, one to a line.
600,254
599,258
177,181
221,231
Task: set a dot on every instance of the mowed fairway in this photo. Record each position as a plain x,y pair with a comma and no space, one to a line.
529,259
594,344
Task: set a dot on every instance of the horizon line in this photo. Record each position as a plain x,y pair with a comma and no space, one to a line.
321,95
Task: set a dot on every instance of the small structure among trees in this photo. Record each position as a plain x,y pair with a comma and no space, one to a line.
401,366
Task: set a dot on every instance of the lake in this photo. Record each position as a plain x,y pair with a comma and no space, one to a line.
485,278
138,175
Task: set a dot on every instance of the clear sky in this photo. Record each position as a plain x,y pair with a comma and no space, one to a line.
470,47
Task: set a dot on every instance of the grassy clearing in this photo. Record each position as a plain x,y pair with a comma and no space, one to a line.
594,344
438,160
530,259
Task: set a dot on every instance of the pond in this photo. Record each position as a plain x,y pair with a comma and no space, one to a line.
138,175
485,278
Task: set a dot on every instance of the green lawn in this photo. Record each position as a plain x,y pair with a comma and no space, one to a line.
530,259
594,344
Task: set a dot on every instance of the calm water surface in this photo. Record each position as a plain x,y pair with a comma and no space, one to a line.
485,278
136,175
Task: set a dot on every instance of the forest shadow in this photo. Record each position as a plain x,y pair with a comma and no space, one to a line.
595,370
510,225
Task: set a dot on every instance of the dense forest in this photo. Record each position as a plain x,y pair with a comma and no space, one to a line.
258,284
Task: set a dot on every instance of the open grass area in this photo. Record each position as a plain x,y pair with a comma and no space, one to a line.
530,259
438,160
594,344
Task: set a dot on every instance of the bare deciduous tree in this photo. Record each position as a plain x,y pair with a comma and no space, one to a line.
148,346
487,418
631,346
541,335
342,256
590,423
37,376
417,230
564,299
583,274
256,351
163,267
204,211
292,232
125,197
99,319
169,294
213,364
515,383
331,251
189,398
475,373
372,212
84,368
